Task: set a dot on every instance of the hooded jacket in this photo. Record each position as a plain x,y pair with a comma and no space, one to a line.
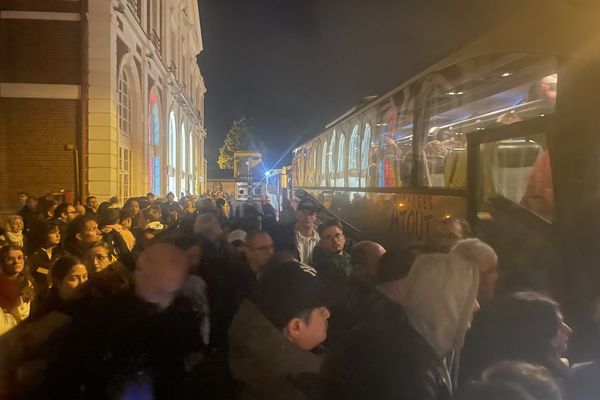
403,352
268,364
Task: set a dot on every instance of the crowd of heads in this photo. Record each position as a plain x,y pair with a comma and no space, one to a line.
273,293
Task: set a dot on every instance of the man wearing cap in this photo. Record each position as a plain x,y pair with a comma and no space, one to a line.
274,332
237,238
300,239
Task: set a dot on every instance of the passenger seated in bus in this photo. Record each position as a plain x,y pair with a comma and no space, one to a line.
455,169
450,231
539,195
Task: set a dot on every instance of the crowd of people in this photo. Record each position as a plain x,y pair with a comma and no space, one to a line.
208,298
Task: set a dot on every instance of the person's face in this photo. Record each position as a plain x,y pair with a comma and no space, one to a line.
98,259
548,92
53,238
561,340
71,287
91,234
135,207
189,204
333,240
154,214
16,225
93,203
488,277
310,334
306,217
161,273
259,251
71,213
14,262
450,232
22,198
170,197
151,199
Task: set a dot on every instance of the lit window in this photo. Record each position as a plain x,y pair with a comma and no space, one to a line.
154,143
124,156
172,162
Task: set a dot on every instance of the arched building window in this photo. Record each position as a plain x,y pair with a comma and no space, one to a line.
124,156
172,159
154,170
182,162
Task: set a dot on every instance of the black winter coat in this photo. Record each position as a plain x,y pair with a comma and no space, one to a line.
386,358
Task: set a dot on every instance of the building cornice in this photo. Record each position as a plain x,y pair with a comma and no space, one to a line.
39,15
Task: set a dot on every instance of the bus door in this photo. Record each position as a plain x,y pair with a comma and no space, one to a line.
511,201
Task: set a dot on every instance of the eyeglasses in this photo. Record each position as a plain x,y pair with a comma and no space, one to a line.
337,236
14,259
98,257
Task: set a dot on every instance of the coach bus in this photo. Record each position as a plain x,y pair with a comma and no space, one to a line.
505,133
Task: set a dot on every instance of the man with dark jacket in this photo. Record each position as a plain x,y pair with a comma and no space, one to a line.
329,258
143,341
403,351
274,333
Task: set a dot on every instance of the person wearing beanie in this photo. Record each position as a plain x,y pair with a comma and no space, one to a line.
274,333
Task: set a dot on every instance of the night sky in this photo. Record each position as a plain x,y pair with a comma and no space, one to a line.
292,66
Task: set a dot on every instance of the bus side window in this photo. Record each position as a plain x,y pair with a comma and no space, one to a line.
519,170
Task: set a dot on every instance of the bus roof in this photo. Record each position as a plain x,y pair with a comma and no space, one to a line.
569,28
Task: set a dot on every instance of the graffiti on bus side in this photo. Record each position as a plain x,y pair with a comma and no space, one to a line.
412,216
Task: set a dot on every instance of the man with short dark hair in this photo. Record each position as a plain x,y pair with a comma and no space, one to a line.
329,257
64,213
450,231
91,205
274,332
171,207
300,239
151,198
82,233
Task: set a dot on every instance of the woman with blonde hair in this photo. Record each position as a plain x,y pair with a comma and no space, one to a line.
13,232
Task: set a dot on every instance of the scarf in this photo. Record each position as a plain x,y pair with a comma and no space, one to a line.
14,238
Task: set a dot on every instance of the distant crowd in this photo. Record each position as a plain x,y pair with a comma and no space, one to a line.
217,299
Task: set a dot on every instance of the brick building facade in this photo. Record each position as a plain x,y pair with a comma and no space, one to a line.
100,97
